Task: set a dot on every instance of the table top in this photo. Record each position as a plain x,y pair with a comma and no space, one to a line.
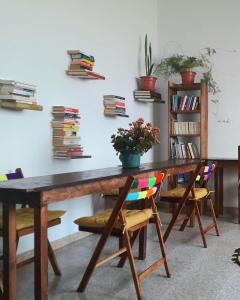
48,182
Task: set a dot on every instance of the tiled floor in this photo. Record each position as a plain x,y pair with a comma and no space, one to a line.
197,273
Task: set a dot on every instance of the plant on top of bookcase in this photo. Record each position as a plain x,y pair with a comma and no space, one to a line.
186,67
134,142
148,81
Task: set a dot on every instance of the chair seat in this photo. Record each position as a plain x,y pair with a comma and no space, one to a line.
25,217
200,193
133,217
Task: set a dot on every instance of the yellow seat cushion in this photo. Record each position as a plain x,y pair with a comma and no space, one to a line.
25,217
200,193
133,217
112,192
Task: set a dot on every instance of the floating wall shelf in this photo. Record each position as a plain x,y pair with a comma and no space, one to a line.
20,106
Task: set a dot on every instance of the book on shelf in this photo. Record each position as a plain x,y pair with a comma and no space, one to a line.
180,150
77,54
184,103
86,74
147,96
185,128
114,105
65,123
19,85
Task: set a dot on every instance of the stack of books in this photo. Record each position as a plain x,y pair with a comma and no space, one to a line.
147,96
14,94
114,105
82,65
185,103
65,126
183,150
185,128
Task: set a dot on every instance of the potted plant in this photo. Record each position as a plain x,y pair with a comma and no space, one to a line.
187,66
132,143
148,82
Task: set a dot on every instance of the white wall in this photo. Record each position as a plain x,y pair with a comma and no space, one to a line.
35,36
188,27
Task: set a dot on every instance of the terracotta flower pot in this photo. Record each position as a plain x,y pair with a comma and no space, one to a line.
188,77
147,83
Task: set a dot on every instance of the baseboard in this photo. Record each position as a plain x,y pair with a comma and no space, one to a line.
57,244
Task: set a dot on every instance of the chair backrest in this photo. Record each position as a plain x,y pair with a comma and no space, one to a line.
204,175
145,188
18,174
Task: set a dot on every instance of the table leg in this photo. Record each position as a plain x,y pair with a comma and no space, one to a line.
9,252
40,253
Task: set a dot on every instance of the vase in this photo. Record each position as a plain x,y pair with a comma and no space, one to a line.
130,159
147,83
188,77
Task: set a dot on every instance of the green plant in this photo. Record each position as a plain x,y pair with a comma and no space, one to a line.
148,57
176,64
139,137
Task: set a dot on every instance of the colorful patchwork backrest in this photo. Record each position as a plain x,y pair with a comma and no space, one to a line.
205,173
145,188
14,175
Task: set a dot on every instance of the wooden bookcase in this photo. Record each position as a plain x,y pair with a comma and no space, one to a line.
201,90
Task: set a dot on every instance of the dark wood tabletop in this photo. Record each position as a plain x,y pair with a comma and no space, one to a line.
48,182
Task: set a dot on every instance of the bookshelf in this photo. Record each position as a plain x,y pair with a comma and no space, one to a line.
188,115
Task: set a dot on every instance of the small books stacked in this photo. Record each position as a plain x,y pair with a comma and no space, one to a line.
185,128
114,105
185,103
13,93
147,96
65,128
82,65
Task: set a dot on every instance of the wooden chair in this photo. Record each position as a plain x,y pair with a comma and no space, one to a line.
127,223
25,224
194,198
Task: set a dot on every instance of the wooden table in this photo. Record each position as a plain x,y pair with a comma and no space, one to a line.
221,164
44,190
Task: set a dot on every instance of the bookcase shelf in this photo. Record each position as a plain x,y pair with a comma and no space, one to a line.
93,75
20,106
201,114
185,112
155,101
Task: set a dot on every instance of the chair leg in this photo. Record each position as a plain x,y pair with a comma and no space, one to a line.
123,259
132,265
200,224
214,216
189,215
53,260
160,237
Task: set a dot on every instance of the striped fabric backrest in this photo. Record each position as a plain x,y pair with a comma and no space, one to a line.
204,174
145,188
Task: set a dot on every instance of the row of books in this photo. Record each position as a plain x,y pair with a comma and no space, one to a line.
65,124
147,96
184,128
12,92
185,103
114,105
183,150
82,65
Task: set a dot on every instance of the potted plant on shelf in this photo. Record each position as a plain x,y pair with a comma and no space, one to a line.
132,143
187,66
148,82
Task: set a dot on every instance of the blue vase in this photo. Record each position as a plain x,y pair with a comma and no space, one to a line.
130,159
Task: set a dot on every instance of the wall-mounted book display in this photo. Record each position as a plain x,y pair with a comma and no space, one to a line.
148,96
114,106
18,96
81,65
66,142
